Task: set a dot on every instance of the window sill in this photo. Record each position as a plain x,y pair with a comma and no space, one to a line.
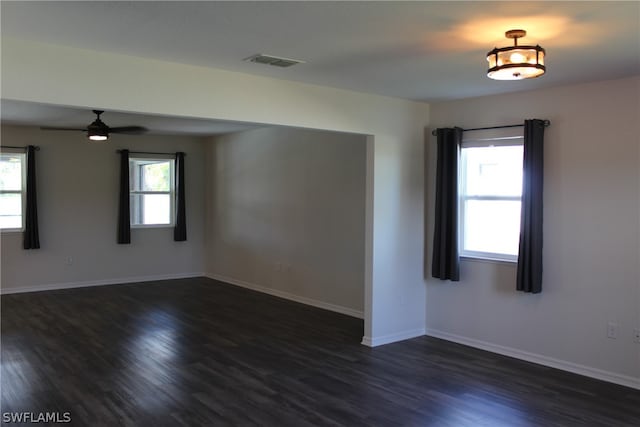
489,260
11,230
142,227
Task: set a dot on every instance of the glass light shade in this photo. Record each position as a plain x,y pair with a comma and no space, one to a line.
516,63
98,131
98,137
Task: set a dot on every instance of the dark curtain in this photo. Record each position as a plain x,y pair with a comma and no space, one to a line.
446,261
124,213
180,230
530,251
31,239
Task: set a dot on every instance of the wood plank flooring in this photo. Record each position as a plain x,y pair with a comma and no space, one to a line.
197,352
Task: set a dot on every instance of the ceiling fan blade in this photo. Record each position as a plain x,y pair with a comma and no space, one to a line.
130,130
58,128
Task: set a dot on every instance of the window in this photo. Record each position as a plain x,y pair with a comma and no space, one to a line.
12,191
151,184
490,197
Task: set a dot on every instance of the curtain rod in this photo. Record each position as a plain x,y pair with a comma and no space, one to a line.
546,123
23,147
149,152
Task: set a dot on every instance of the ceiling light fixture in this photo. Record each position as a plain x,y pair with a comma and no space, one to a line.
98,131
516,62
98,136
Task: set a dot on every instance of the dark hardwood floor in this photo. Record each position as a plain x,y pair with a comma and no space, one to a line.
198,352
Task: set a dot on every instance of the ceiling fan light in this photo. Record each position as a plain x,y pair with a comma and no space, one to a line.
97,133
98,137
516,62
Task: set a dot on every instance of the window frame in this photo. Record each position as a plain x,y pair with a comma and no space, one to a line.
508,141
22,191
171,193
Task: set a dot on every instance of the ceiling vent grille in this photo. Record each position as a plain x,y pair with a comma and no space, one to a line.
273,60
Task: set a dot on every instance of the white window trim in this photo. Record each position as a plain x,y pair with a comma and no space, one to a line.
22,192
171,192
488,260
517,140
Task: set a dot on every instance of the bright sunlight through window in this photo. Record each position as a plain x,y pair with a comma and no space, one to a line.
151,191
12,185
490,198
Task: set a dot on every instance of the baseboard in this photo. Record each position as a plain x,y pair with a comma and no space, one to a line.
102,282
289,296
575,368
391,338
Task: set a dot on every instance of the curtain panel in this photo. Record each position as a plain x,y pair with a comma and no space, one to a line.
31,238
446,260
529,277
180,230
124,215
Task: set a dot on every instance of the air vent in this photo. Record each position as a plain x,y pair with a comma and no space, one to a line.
273,60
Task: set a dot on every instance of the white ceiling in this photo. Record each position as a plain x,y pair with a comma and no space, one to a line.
32,114
427,51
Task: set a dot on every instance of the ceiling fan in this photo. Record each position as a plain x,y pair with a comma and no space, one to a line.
99,131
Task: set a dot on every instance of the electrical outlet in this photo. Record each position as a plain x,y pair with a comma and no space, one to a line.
69,260
636,335
612,330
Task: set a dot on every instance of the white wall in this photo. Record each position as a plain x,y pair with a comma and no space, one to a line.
394,284
288,214
77,185
591,236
